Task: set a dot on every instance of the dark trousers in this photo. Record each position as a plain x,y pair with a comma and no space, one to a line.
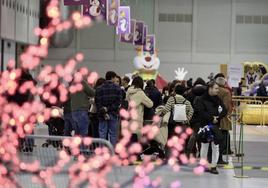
171,132
93,130
224,146
193,146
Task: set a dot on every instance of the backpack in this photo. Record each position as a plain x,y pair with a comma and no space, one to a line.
178,113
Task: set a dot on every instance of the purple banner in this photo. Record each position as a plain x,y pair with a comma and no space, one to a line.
123,26
96,9
128,38
138,36
112,12
145,31
74,2
149,45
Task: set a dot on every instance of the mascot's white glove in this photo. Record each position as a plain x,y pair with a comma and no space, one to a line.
180,74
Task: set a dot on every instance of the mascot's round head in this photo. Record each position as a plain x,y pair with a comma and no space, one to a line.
146,61
94,2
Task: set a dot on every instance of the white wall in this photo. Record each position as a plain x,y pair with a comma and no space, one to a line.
212,37
18,18
9,51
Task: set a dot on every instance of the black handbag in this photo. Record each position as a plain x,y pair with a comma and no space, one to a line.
218,136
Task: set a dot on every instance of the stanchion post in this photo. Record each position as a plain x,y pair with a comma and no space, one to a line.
241,140
234,132
227,148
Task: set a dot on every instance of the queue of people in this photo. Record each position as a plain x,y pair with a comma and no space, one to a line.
94,111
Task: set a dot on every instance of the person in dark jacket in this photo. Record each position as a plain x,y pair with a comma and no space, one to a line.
154,94
209,110
55,123
198,89
108,99
93,115
21,98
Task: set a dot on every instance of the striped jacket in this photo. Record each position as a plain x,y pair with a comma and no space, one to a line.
179,100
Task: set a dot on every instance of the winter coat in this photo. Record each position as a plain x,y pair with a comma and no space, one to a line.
226,98
206,107
197,90
156,97
162,136
138,96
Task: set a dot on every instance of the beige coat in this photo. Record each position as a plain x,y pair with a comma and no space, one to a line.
226,98
162,136
139,97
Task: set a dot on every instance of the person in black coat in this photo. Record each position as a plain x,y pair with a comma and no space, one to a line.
209,110
198,89
155,95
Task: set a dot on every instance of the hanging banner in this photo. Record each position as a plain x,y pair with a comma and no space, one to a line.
96,9
112,12
149,45
123,26
128,38
138,36
74,2
145,31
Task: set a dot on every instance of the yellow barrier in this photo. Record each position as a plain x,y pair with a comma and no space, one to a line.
249,111
250,98
265,113
246,111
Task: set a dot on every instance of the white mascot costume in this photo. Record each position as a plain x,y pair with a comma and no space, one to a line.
147,66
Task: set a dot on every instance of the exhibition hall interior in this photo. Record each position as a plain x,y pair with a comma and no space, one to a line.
134,93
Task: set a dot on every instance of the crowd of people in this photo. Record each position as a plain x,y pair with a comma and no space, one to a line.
94,112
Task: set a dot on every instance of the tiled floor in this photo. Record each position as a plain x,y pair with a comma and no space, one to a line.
226,179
